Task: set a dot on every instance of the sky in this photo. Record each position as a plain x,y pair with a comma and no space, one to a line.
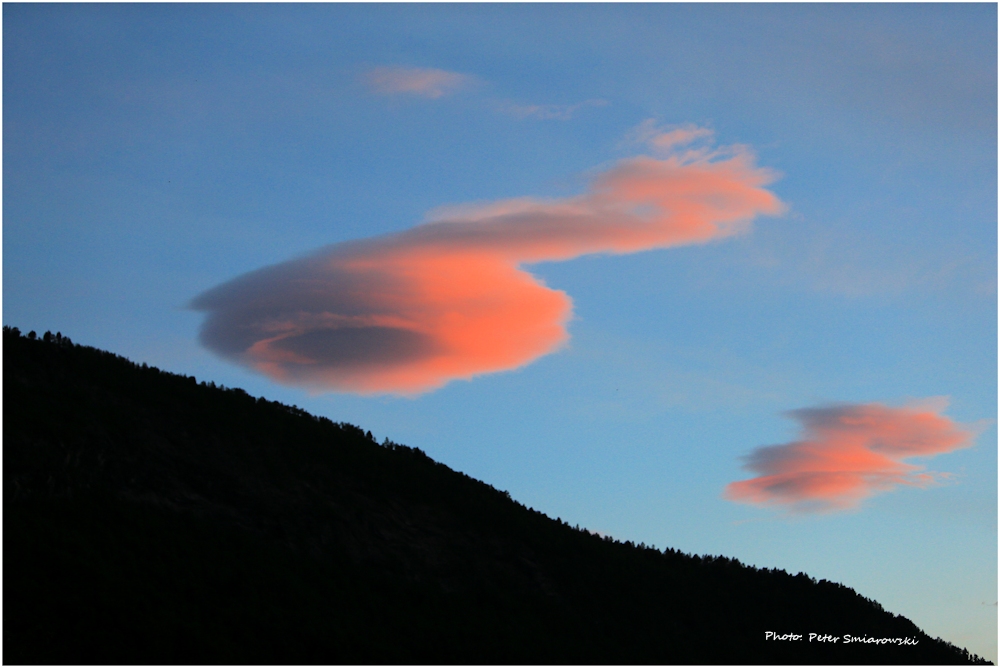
721,278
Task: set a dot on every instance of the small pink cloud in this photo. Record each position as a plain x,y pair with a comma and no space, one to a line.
425,82
678,137
848,453
450,299
667,140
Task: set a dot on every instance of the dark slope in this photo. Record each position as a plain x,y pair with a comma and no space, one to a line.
152,519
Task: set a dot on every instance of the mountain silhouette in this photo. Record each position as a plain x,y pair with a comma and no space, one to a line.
152,518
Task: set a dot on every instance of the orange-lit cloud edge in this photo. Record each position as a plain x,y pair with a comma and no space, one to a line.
847,453
449,299
420,81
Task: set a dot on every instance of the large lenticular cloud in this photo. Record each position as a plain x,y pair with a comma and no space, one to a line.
408,312
848,453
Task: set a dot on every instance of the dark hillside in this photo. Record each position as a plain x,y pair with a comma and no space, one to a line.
149,518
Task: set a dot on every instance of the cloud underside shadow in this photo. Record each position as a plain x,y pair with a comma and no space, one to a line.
450,298
848,453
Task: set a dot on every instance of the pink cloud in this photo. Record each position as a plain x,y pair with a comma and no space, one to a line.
848,453
425,82
678,137
666,140
450,299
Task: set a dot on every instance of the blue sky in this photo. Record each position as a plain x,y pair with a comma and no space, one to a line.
154,152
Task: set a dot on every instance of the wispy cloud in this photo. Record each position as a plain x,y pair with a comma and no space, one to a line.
408,312
667,139
848,453
561,112
421,81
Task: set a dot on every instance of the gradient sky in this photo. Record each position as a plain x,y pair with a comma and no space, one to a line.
715,277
